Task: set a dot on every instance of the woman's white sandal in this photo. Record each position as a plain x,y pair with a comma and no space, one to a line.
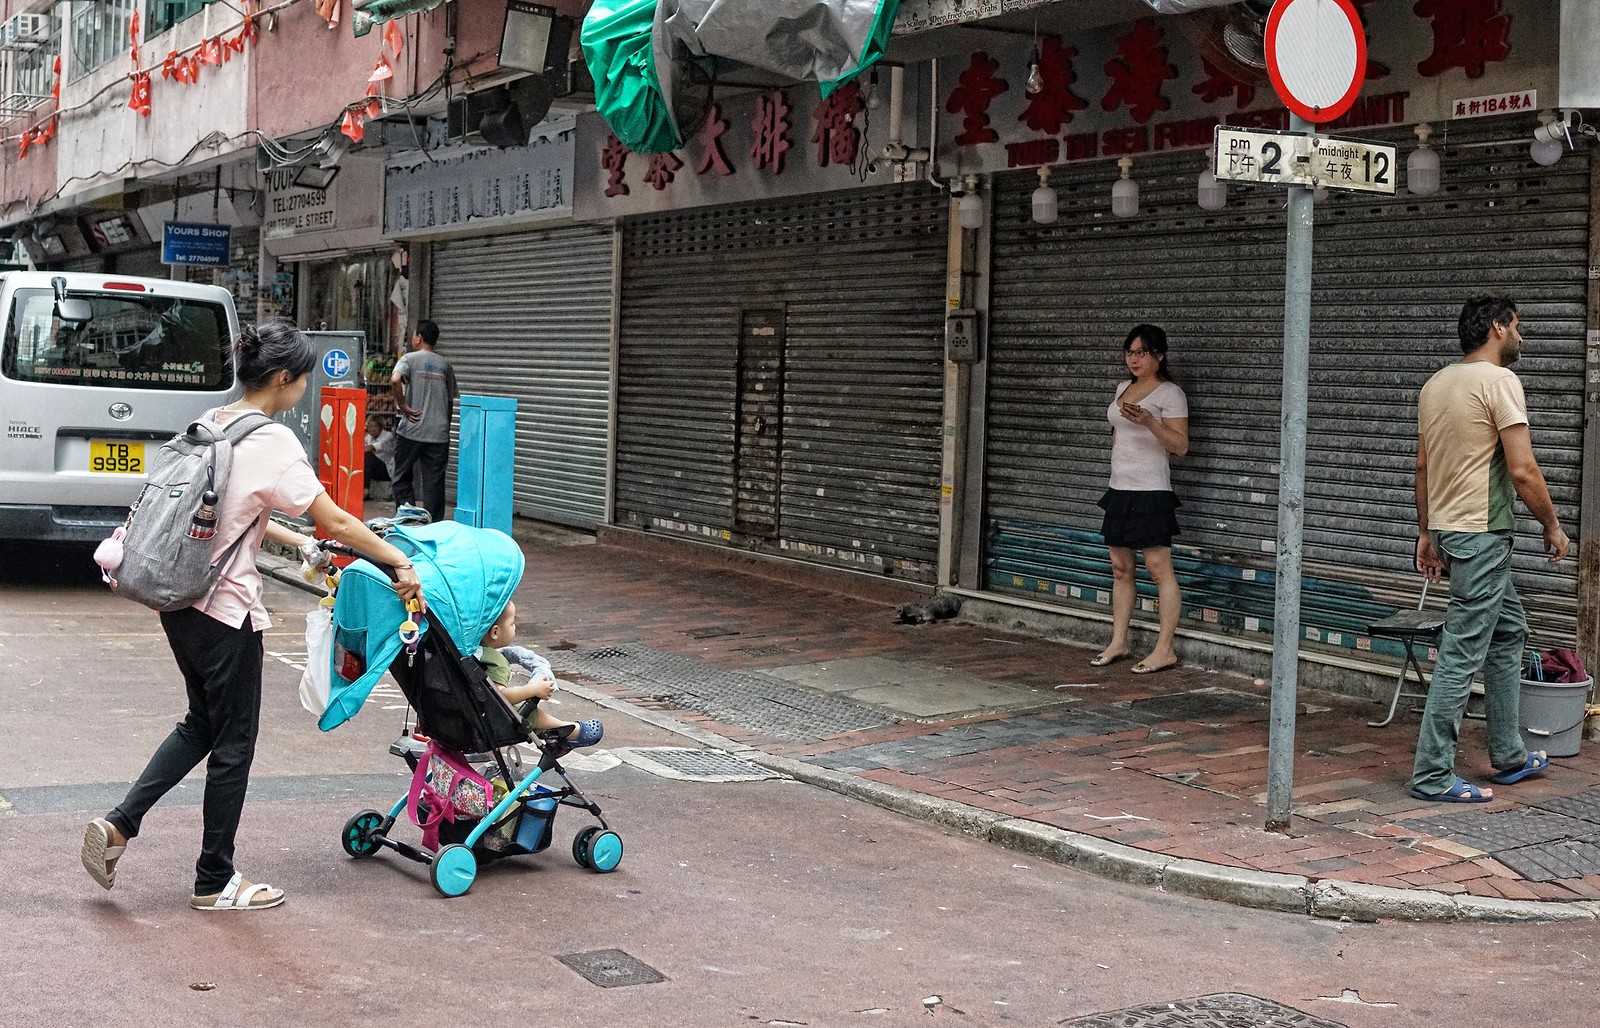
234,898
98,855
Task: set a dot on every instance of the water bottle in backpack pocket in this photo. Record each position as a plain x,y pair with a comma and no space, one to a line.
162,555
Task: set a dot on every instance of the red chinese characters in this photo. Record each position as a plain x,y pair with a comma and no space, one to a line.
835,133
710,140
660,169
614,159
771,127
1139,72
1375,69
975,90
1052,107
1218,84
1467,34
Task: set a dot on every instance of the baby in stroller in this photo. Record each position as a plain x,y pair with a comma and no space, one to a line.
469,792
497,658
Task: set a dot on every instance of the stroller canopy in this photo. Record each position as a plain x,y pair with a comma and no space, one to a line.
468,576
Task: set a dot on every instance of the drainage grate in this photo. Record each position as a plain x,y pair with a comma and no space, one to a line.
691,765
924,752
1585,805
1551,861
1224,1010
764,651
747,699
612,968
1509,830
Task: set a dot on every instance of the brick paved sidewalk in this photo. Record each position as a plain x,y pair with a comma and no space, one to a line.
1172,763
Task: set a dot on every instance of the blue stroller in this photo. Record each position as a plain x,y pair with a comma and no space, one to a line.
468,816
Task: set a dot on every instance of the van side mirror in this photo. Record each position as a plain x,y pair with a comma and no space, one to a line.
75,312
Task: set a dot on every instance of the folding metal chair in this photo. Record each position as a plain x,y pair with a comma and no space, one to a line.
1410,627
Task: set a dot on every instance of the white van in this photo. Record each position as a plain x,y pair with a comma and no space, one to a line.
96,372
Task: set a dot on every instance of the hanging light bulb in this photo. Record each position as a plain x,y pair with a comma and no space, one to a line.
970,209
1545,154
1422,167
1046,206
1125,191
1548,141
1035,77
1209,193
874,97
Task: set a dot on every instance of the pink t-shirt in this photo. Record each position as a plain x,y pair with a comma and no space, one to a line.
270,472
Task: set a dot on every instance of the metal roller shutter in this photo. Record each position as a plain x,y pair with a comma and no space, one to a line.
1391,274
835,302
528,315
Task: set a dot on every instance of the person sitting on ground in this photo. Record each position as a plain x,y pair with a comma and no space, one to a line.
497,657
380,445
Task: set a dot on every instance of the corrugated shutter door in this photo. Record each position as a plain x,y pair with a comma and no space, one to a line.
854,282
1391,274
528,315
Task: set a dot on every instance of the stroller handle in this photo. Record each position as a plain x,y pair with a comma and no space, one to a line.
342,550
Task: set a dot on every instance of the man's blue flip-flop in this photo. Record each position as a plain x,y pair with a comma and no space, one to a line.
1535,765
1459,792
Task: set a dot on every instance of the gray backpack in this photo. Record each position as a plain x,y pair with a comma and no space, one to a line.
162,554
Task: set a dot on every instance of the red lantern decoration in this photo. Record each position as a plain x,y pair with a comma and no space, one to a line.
140,99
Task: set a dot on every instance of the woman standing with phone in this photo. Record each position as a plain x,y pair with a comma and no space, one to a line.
1149,425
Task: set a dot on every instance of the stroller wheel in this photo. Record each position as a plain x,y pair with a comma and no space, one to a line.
453,870
580,846
357,836
599,850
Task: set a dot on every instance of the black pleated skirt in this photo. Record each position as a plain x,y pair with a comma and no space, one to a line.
1139,520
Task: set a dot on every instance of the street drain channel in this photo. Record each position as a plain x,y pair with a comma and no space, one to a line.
692,765
612,968
1223,1010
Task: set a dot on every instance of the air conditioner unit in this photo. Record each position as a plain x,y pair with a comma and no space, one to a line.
25,32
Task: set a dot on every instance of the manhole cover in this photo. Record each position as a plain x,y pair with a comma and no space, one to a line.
1585,805
1224,1010
612,968
605,653
691,765
1552,861
1508,830
1203,705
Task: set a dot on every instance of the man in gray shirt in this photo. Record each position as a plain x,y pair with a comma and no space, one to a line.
424,387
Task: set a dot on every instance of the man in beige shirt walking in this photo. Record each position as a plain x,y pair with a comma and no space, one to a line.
1474,450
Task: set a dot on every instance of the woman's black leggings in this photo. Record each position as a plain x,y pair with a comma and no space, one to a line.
222,671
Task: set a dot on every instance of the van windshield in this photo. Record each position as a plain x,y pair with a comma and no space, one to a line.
133,342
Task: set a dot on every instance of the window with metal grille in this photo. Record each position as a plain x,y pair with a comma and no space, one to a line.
27,70
99,33
161,15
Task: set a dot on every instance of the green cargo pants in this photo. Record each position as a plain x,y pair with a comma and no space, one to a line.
1485,630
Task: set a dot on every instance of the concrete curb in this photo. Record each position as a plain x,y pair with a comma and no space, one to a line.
1262,890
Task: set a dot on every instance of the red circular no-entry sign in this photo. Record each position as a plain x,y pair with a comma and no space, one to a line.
1316,56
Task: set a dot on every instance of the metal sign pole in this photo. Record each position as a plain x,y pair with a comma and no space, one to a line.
1291,501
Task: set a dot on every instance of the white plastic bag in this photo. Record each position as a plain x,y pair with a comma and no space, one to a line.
316,684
